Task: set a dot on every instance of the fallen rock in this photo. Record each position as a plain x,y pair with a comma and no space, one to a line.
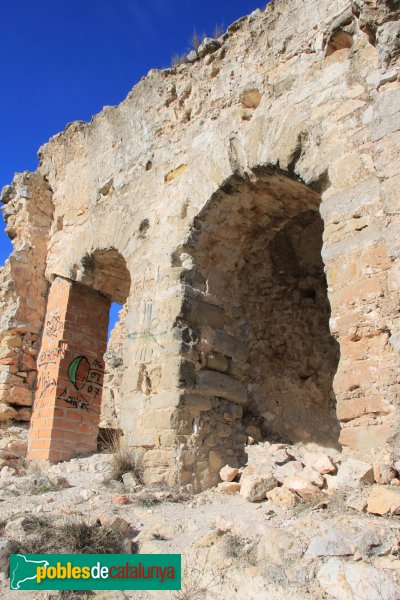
369,543
157,531
302,487
255,487
118,522
228,473
353,473
121,499
384,500
18,528
384,473
331,484
210,538
275,546
313,476
130,481
319,462
281,457
283,497
7,547
294,467
7,472
357,502
356,581
228,487
334,543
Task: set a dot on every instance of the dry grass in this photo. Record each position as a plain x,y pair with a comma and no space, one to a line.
218,30
74,536
198,583
196,40
124,460
150,497
178,59
146,499
238,547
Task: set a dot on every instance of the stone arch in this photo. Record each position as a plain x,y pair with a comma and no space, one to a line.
66,412
257,308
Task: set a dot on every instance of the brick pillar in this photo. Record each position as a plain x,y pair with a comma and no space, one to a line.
66,410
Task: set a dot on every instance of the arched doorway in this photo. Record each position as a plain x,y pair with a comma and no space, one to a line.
256,300
66,412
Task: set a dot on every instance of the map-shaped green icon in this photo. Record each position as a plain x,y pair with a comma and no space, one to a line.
23,569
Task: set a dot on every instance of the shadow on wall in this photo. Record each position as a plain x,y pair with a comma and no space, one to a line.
258,258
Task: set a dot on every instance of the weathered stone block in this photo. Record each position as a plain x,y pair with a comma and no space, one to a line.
221,385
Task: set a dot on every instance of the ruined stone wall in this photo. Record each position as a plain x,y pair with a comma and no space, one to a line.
23,290
114,368
306,91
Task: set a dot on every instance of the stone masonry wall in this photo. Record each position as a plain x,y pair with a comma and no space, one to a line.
23,289
303,91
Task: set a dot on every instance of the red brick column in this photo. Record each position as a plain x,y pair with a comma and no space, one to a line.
66,409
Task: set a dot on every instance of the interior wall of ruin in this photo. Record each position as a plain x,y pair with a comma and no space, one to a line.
110,417
314,94
260,353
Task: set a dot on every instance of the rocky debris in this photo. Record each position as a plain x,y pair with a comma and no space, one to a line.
130,481
7,547
283,549
157,531
228,473
283,497
255,487
18,528
302,487
313,476
384,473
210,538
336,542
113,522
280,457
356,581
229,487
7,472
357,502
121,499
276,546
353,473
384,501
293,467
318,462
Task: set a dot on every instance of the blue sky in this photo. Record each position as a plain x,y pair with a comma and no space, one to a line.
62,60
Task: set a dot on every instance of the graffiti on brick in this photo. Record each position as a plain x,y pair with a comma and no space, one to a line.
51,356
54,324
76,401
78,371
44,383
87,380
